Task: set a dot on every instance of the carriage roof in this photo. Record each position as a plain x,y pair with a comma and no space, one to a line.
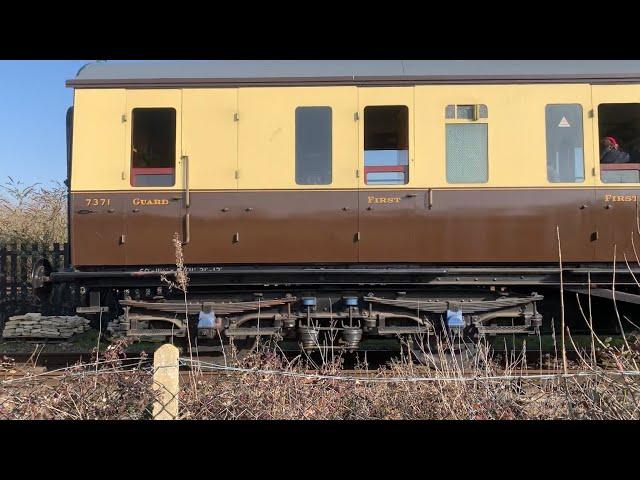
351,72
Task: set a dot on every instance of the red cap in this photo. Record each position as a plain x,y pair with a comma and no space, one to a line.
612,140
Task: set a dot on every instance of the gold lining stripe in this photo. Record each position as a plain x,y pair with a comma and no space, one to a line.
440,189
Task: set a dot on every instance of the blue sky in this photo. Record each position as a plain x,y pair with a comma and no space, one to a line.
33,106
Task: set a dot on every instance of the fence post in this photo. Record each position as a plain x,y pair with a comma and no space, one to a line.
55,257
23,279
166,382
3,284
13,276
4,272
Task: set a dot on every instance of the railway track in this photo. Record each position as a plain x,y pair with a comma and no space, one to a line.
49,366
55,360
417,372
40,374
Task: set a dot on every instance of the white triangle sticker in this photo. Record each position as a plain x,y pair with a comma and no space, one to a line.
564,122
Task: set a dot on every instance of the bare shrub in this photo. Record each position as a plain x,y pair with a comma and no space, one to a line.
32,213
271,388
82,392
265,385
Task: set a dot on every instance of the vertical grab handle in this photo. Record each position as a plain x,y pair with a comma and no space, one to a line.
187,197
429,198
187,201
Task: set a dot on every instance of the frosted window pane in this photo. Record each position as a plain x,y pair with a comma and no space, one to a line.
450,111
465,112
467,160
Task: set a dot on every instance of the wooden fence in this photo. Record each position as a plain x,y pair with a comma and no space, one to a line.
16,264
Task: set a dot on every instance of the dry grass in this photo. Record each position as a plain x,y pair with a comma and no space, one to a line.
272,388
93,391
32,213
267,386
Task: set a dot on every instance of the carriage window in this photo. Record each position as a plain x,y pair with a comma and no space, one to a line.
467,155
466,112
313,145
565,156
450,111
153,147
386,145
619,131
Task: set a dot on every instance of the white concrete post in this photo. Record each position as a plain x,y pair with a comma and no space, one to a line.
166,382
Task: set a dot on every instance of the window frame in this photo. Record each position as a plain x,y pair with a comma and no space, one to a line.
446,156
405,168
456,118
546,138
600,182
295,143
466,121
135,171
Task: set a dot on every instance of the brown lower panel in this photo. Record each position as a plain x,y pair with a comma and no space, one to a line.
97,221
150,228
273,227
481,225
223,227
457,226
119,229
616,217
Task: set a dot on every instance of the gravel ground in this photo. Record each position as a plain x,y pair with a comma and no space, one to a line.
80,343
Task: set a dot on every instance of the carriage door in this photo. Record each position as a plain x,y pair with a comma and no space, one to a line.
389,205
617,114
155,203
210,147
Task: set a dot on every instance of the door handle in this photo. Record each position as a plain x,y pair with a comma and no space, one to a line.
411,195
84,212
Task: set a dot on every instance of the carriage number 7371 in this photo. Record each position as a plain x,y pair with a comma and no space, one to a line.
94,202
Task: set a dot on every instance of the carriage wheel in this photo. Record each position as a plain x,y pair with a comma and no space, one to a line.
41,288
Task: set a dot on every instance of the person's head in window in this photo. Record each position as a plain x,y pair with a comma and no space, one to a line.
611,152
610,143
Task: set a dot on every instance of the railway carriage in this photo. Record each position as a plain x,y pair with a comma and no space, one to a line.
372,197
